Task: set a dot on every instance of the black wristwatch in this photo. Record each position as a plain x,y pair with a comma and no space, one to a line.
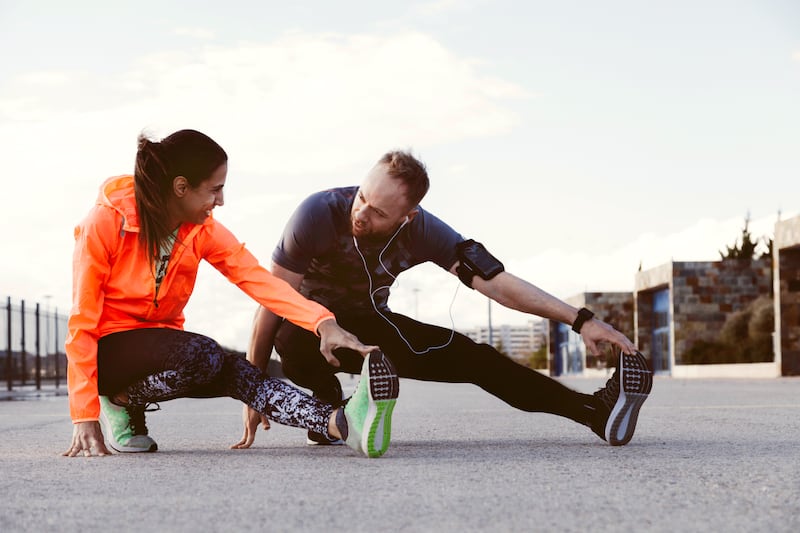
583,315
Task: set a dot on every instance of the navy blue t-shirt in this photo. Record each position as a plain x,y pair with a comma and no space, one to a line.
317,242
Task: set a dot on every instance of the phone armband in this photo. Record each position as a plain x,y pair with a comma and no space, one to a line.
475,260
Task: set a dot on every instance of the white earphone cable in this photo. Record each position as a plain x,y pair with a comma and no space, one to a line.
394,278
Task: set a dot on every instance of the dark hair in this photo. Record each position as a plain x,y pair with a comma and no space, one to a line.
411,171
186,153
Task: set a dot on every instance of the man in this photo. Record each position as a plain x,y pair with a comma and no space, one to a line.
344,247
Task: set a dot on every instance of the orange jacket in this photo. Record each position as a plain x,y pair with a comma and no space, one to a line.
113,285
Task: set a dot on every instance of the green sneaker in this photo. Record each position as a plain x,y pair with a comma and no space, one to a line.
125,428
366,420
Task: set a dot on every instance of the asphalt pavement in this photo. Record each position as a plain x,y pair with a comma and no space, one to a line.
708,455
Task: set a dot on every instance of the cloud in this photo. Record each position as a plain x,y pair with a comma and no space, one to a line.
195,33
435,7
284,105
796,55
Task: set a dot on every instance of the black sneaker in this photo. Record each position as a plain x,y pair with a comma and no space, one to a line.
622,397
318,439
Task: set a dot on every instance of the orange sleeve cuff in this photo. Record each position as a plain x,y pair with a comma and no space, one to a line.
84,420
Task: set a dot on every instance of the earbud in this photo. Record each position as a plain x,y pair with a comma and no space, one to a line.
405,221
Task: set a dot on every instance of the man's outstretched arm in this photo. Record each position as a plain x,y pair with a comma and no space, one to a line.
516,293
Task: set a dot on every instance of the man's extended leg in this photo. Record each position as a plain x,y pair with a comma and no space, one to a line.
464,361
303,363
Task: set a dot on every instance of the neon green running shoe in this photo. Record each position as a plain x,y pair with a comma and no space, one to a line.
124,427
368,412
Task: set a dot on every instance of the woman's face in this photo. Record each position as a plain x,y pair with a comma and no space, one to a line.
194,205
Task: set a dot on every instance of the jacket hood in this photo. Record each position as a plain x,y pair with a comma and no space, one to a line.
118,194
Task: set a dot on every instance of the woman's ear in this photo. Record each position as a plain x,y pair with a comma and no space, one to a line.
179,186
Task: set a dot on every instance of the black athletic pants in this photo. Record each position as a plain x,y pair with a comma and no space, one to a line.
461,361
159,364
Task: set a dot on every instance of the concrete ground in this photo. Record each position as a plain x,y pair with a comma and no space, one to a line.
708,455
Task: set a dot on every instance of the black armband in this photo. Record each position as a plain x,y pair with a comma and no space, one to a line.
475,260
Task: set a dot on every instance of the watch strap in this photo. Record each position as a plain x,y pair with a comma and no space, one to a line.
583,315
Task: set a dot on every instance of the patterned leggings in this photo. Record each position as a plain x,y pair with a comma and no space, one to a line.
159,364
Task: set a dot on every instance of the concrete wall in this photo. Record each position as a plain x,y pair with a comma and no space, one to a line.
646,284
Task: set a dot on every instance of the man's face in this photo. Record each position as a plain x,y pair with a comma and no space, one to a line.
380,205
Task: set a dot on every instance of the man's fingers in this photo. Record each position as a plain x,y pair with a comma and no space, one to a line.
245,442
366,350
591,347
332,360
249,437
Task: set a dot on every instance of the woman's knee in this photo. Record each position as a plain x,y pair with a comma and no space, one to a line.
206,357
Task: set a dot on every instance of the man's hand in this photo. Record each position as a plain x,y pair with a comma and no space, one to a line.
596,331
250,420
87,440
332,336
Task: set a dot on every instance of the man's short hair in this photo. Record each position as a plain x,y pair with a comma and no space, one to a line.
411,171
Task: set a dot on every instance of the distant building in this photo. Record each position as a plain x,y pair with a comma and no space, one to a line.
567,351
518,342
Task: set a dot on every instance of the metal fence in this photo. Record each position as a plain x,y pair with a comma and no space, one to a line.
34,346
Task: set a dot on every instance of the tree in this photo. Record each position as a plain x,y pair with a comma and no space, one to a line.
747,248
500,348
538,359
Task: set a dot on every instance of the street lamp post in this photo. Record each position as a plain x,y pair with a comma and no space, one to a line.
47,328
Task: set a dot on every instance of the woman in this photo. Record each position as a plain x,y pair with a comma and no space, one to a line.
134,267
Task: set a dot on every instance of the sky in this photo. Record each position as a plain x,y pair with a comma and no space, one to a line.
578,140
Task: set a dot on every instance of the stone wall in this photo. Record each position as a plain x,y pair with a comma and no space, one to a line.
705,293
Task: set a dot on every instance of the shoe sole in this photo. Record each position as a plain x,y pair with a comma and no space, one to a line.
384,387
312,442
636,381
116,446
